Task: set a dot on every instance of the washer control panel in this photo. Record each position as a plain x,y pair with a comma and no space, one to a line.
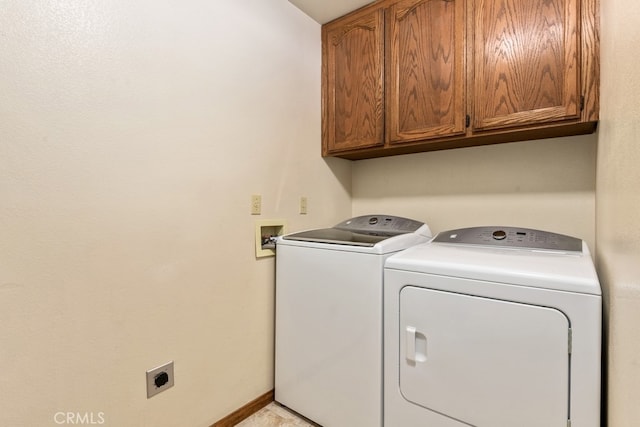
511,237
384,225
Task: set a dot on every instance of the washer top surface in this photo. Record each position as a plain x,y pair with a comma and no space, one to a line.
508,255
368,233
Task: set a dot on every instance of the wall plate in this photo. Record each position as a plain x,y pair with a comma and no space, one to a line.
159,379
265,228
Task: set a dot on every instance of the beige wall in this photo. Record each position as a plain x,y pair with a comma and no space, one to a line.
618,206
132,134
547,184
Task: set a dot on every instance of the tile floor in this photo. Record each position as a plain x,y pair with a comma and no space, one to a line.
274,415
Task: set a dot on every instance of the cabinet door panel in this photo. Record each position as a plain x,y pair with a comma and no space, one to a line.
353,91
426,69
526,62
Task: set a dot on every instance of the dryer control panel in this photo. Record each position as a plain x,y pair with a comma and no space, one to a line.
511,237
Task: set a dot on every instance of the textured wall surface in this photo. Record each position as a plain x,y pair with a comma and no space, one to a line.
618,206
547,184
132,135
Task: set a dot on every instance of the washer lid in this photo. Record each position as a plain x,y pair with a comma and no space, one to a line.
336,236
364,230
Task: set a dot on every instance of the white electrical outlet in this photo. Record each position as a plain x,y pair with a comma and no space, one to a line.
256,204
303,205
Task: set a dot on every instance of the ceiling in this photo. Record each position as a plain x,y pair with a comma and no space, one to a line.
324,11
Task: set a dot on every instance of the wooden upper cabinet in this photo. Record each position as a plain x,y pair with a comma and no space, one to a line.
404,76
425,70
526,63
353,78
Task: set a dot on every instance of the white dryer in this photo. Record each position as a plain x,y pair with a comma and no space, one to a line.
492,327
328,346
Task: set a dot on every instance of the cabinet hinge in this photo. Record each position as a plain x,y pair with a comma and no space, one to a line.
582,103
570,340
467,121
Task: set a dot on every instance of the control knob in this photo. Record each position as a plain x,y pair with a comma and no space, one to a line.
499,235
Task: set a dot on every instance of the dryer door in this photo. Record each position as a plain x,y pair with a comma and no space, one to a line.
483,361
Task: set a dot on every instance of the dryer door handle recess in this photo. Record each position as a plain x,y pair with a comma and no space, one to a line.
416,345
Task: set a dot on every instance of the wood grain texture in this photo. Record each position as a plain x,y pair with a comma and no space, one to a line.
526,62
530,70
462,141
353,88
590,59
425,77
246,411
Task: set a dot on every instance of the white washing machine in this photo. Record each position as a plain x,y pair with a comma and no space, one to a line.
328,350
492,327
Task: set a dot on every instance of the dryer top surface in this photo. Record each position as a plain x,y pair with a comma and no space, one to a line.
571,271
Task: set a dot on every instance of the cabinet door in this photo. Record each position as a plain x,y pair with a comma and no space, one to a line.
425,84
353,75
526,62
